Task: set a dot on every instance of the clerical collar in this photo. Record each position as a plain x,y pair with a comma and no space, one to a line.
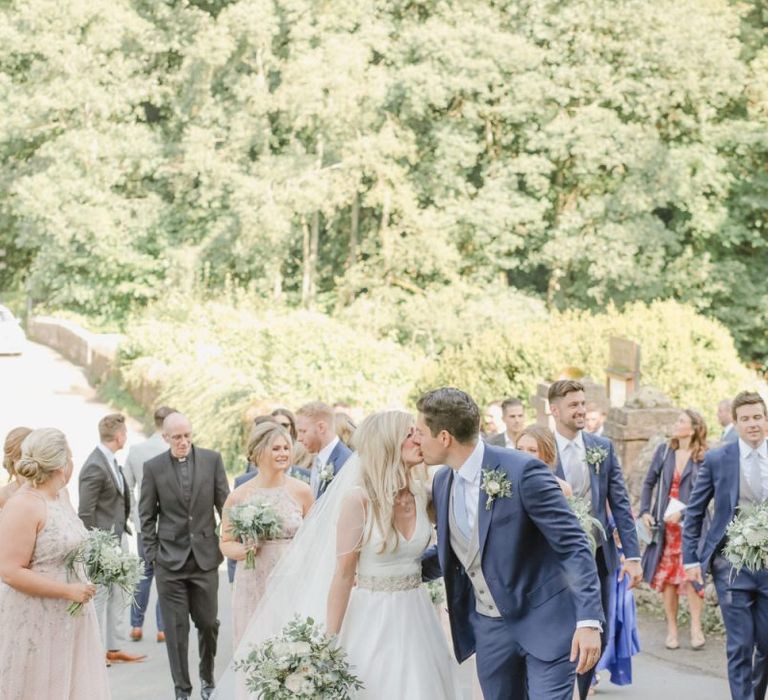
181,460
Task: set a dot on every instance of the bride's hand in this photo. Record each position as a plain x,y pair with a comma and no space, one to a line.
80,592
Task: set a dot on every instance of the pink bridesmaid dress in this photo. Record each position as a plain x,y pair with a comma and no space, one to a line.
45,653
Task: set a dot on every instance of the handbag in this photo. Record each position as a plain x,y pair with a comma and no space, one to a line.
652,536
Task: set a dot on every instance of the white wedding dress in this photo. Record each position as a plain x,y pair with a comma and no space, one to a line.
391,632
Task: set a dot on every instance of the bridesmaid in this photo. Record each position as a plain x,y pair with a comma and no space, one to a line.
11,455
540,442
270,450
673,468
44,651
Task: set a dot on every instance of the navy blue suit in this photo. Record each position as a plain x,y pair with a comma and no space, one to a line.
607,487
339,455
539,569
250,472
744,596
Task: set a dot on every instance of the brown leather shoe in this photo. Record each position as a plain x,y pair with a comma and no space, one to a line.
160,637
118,656
136,634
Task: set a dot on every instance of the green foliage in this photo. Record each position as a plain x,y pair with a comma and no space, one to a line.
689,357
219,363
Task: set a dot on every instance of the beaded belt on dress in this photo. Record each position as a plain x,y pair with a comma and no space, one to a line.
389,583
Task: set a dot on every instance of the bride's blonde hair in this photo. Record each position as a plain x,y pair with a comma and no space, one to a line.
379,441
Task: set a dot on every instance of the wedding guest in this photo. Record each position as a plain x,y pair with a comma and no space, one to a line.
513,419
729,433
589,464
44,651
316,429
539,441
734,475
11,455
492,420
134,470
181,491
105,504
270,450
285,418
345,427
595,419
673,471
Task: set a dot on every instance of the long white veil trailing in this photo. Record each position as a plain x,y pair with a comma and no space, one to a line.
300,582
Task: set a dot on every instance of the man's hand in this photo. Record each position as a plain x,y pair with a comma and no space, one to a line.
586,648
632,569
674,518
647,518
693,574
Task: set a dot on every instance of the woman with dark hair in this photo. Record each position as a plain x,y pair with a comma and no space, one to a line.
674,468
286,419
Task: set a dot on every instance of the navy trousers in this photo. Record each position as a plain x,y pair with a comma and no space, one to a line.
141,595
743,601
584,680
507,672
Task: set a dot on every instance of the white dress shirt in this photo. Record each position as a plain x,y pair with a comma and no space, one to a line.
319,463
509,443
745,453
112,461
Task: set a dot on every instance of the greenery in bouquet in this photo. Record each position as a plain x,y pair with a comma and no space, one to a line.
436,590
300,663
589,523
100,559
747,539
253,521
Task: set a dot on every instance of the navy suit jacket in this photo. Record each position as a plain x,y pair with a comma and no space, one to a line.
250,472
718,479
534,555
607,486
339,455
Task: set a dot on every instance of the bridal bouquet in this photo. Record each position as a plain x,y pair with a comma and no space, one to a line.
436,590
301,663
589,523
746,544
252,521
103,562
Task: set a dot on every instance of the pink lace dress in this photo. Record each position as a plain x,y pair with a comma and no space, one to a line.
45,652
249,583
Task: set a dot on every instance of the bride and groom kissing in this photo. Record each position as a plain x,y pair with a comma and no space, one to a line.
522,587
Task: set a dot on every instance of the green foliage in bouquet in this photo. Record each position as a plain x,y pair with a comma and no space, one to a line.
590,524
746,539
301,663
436,590
252,521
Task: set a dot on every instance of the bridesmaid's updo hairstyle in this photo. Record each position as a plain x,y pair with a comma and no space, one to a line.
262,438
43,452
12,449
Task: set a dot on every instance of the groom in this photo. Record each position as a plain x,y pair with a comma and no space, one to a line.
521,583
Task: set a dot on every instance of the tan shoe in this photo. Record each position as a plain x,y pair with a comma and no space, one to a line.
136,634
160,637
117,656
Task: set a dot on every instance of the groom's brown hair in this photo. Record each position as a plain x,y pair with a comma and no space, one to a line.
451,410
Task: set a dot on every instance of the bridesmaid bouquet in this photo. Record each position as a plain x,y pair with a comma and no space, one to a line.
589,523
252,521
746,544
104,563
301,663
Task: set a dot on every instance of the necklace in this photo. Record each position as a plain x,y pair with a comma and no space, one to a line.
405,502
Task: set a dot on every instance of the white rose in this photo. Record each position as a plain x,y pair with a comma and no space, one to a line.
308,688
492,488
295,683
281,649
299,648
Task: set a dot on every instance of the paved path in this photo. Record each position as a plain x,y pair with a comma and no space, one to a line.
42,389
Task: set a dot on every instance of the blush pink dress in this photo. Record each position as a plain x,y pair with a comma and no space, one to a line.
45,653
249,583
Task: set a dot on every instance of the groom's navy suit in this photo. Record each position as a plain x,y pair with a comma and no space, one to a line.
539,570
607,488
743,596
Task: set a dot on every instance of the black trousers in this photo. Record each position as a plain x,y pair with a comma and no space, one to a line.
584,680
189,592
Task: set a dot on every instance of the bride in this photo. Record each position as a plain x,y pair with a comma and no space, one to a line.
360,548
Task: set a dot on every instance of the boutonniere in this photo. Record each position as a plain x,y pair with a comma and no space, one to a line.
595,457
326,473
495,485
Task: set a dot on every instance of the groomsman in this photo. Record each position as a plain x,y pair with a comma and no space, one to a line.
182,491
105,504
734,475
725,419
589,464
134,470
316,430
513,417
